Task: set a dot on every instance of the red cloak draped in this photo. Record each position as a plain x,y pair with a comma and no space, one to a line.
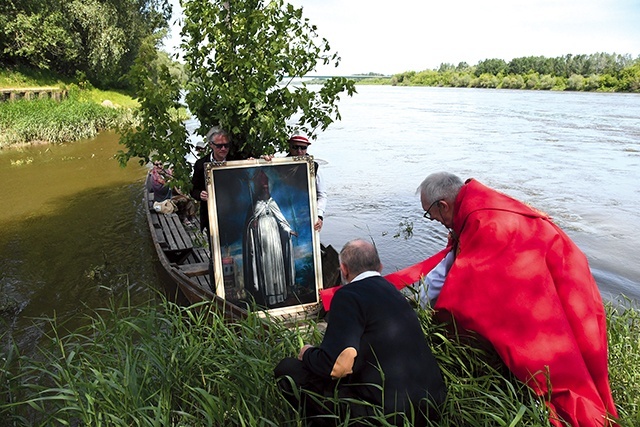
399,279
521,283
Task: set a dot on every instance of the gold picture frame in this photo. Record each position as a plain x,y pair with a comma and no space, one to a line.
265,251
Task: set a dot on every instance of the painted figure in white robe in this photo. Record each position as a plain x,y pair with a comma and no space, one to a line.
269,268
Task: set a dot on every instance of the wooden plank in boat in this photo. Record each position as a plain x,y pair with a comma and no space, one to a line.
192,270
178,243
164,225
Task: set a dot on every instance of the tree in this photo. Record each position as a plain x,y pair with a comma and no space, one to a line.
98,38
241,58
160,133
493,66
630,80
39,40
446,67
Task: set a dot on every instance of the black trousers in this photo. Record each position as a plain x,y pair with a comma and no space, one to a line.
325,402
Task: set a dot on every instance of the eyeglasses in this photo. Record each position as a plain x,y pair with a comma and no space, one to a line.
299,147
220,146
427,214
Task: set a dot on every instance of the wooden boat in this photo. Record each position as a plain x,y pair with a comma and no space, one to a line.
184,253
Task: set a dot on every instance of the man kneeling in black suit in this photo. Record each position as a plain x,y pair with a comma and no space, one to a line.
374,356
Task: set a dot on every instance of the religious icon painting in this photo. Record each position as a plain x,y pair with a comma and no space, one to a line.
265,253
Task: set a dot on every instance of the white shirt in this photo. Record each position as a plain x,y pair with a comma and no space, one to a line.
434,280
321,194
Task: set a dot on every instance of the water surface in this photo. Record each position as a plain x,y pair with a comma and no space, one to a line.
73,231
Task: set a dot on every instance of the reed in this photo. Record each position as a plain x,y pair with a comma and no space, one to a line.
76,117
623,327
174,366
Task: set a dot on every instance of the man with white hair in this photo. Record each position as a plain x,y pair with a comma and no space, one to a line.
220,143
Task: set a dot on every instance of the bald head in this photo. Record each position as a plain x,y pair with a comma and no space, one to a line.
358,256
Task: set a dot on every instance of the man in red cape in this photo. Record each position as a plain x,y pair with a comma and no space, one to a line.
520,283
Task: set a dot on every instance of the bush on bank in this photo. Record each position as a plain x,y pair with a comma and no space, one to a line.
171,365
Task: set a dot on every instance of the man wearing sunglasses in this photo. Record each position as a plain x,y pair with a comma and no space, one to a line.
518,281
220,143
298,145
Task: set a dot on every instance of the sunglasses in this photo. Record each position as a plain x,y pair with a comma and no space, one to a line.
299,147
220,146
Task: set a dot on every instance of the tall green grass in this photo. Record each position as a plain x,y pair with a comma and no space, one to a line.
623,327
50,121
176,366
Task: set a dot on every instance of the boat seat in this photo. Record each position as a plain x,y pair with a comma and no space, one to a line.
192,270
173,238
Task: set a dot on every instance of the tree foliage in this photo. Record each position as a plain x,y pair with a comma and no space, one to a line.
241,59
491,66
160,133
97,39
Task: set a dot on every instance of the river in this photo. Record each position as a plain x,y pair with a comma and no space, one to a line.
73,231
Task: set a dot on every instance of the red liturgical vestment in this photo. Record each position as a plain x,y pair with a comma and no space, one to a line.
522,284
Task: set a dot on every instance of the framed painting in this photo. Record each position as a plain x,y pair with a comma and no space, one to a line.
263,245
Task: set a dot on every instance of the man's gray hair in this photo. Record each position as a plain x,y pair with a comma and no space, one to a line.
216,130
360,255
440,186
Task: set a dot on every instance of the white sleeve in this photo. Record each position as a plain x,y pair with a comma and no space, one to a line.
434,280
321,194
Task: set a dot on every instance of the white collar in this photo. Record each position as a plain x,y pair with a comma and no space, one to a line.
213,159
364,275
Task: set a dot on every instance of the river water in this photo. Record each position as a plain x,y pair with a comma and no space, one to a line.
73,230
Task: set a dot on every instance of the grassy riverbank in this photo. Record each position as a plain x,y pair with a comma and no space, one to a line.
85,112
168,365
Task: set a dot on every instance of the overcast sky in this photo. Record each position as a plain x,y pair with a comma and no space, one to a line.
415,35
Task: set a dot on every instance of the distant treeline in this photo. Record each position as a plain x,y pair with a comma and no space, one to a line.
600,72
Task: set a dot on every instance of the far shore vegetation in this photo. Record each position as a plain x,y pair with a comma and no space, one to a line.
165,365
600,72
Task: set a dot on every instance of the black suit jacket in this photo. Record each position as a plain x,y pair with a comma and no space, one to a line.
374,318
198,184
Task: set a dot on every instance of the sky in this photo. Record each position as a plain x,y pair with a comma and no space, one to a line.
392,37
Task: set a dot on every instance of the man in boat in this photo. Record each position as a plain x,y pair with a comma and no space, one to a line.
220,143
374,356
515,279
298,145
268,258
158,182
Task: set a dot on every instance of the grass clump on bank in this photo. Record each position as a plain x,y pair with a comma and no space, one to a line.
45,120
169,365
81,115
